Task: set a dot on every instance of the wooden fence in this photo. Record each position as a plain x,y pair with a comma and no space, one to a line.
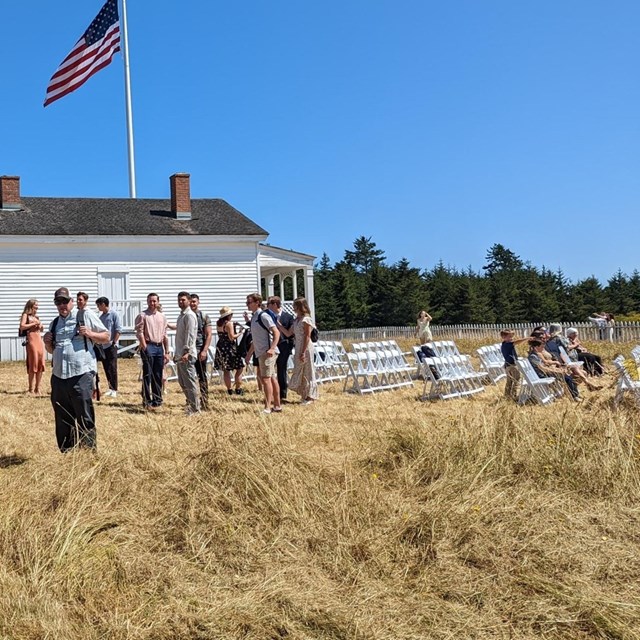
621,332
11,348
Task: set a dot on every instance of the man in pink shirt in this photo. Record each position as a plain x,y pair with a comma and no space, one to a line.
151,331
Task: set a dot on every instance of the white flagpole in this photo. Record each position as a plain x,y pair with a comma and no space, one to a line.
127,91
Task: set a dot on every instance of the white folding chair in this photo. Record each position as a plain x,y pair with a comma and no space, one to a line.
533,387
626,382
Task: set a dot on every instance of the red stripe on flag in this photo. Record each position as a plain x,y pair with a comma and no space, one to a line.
81,63
65,76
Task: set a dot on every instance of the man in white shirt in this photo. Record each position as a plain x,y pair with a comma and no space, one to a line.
185,352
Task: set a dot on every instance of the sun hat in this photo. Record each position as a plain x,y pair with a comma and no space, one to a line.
555,329
225,311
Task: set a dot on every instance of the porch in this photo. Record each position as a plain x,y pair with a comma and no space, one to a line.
287,274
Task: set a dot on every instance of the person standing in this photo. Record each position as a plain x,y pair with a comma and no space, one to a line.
265,338
30,328
82,299
70,340
285,346
423,328
111,320
151,331
203,342
303,378
510,355
185,354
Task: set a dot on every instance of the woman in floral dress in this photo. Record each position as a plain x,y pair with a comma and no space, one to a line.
227,358
303,378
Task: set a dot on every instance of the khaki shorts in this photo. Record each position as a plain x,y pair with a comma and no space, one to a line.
267,366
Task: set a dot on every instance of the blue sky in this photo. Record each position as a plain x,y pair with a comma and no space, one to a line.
437,128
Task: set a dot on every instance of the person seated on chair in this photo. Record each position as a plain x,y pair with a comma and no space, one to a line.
554,343
592,363
550,368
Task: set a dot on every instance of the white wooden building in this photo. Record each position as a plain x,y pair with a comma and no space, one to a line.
127,248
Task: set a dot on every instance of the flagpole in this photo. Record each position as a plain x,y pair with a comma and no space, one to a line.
127,91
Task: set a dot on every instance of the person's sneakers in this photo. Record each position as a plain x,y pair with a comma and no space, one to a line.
266,411
276,410
239,392
191,412
111,394
230,392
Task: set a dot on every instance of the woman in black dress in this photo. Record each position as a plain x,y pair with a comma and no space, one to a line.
227,358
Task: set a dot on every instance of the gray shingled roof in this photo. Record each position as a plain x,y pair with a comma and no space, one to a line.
123,216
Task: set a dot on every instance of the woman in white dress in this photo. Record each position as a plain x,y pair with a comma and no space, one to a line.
423,331
303,378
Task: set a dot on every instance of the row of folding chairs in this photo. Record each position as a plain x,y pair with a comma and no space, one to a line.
450,376
330,361
377,366
492,362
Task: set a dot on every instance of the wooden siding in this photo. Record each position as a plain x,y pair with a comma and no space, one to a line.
221,274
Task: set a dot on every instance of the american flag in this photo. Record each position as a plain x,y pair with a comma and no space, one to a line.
92,52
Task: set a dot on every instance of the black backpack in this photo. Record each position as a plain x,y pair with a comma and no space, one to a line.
245,343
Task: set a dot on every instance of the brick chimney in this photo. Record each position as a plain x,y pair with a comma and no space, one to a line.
180,196
10,192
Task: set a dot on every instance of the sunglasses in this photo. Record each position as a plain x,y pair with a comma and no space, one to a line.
60,301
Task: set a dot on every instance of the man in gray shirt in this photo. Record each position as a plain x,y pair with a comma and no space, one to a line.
70,340
185,353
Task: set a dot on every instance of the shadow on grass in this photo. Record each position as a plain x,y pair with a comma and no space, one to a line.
11,461
127,407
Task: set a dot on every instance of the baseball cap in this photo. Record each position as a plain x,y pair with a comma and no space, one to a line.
61,294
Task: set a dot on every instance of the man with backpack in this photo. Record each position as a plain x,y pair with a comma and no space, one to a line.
203,342
70,340
285,346
265,338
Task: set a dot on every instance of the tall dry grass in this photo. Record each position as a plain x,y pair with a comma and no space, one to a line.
374,517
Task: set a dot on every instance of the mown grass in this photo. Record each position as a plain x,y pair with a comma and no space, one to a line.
375,517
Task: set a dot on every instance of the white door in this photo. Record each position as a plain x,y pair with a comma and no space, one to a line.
115,286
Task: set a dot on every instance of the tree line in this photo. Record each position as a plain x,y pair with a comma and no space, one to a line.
363,290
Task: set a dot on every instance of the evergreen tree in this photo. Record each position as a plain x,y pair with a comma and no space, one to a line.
351,297
409,292
440,285
634,292
587,297
325,297
364,256
619,299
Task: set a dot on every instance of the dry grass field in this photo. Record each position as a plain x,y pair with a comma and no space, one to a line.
356,518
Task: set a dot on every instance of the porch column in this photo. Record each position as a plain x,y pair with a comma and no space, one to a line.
308,291
294,278
270,286
281,287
